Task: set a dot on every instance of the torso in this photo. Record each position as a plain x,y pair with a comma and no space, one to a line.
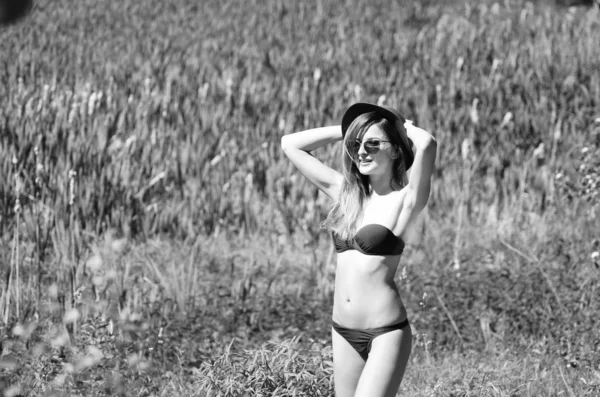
366,295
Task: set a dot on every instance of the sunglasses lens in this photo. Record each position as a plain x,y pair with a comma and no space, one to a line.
372,146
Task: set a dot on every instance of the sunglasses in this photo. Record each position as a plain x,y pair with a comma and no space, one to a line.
372,146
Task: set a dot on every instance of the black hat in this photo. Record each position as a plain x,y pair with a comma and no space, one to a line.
391,115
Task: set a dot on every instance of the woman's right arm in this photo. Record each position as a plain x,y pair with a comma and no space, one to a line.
297,146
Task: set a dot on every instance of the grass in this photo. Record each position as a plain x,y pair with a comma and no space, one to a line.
156,241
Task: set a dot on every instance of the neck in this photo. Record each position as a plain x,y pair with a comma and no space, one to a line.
380,184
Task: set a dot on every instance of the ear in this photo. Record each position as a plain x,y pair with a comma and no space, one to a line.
396,153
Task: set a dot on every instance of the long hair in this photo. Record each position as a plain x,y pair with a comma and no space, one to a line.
347,209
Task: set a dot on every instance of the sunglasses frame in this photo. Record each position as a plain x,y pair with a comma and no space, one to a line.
368,148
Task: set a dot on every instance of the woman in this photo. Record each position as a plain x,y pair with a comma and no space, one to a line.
374,206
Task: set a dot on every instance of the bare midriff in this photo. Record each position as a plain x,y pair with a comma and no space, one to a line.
366,295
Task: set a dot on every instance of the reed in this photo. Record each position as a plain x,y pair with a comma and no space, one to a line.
147,214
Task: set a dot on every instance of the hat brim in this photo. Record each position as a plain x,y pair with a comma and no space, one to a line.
390,114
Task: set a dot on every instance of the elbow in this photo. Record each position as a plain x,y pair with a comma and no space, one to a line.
427,145
284,143
430,141
424,142
430,145
433,144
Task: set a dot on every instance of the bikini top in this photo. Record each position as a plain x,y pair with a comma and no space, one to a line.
371,239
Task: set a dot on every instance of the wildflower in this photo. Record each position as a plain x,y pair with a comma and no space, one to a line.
495,64
72,175
45,94
147,84
91,104
203,91
558,131
539,151
249,182
18,188
506,120
72,113
381,100
422,303
18,330
595,255
157,178
71,316
78,294
474,114
459,63
317,75
584,150
115,145
129,141
464,149
217,158
456,264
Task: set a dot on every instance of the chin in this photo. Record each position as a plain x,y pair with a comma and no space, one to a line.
366,170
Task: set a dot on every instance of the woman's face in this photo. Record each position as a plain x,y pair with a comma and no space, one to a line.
377,162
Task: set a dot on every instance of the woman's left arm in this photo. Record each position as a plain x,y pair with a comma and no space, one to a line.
419,181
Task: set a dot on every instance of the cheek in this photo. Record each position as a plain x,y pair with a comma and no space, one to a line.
384,157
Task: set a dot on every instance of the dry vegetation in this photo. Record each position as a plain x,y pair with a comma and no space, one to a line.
154,241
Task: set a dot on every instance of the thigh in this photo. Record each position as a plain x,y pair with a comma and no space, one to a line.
347,366
385,366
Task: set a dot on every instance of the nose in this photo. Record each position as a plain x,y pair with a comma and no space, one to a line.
361,150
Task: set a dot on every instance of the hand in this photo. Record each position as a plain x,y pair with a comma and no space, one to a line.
419,137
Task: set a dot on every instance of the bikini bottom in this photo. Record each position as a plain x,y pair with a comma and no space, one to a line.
361,339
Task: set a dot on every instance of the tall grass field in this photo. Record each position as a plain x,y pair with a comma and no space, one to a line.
154,241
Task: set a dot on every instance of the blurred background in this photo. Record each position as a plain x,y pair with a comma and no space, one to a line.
151,226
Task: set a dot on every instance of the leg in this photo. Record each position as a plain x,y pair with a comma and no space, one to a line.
347,366
385,367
